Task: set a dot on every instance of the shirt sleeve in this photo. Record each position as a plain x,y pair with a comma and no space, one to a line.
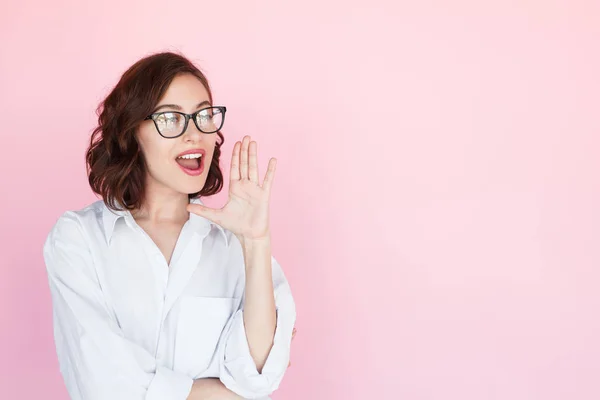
238,371
96,361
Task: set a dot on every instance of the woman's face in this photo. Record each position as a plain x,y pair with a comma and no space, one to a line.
165,166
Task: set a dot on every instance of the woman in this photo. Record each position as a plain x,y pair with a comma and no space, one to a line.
156,296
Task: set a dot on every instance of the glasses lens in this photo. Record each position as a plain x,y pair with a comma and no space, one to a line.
170,123
210,119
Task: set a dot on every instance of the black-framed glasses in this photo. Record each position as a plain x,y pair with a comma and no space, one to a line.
172,124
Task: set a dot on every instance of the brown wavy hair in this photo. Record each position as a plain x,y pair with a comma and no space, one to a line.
114,161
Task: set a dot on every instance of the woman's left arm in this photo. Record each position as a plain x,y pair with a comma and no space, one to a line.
255,346
255,350
260,317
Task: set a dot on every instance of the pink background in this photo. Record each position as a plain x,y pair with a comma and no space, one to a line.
436,205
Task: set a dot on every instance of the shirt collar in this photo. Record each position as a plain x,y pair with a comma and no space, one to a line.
199,223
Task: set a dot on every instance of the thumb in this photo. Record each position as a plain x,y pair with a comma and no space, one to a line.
206,212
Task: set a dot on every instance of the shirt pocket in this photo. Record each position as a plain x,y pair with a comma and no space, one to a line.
201,323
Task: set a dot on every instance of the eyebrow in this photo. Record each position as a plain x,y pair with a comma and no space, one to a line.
177,107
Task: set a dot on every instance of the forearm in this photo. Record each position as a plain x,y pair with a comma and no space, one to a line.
259,304
211,389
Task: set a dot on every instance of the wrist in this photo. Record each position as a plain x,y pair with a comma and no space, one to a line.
256,252
255,241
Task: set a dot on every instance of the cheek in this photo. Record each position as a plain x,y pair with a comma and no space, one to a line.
154,149
210,149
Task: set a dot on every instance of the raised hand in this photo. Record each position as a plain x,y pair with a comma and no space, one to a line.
246,213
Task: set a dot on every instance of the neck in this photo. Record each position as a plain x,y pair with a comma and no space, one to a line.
163,205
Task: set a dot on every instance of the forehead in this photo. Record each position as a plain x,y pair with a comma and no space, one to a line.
185,90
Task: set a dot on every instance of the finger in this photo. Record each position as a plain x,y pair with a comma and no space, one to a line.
235,163
253,162
270,175
244,158
206,212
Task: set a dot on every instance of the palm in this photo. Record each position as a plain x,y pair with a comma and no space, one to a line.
246,213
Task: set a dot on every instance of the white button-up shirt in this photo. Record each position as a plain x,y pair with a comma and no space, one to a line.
129,326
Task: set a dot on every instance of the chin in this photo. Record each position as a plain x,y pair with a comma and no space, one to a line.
184,183
192,188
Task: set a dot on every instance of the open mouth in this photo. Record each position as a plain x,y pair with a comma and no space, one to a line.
192,164
189,163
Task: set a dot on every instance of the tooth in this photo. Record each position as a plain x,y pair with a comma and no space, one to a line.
191,156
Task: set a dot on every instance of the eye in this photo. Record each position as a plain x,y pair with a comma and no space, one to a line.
206,114
169,118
